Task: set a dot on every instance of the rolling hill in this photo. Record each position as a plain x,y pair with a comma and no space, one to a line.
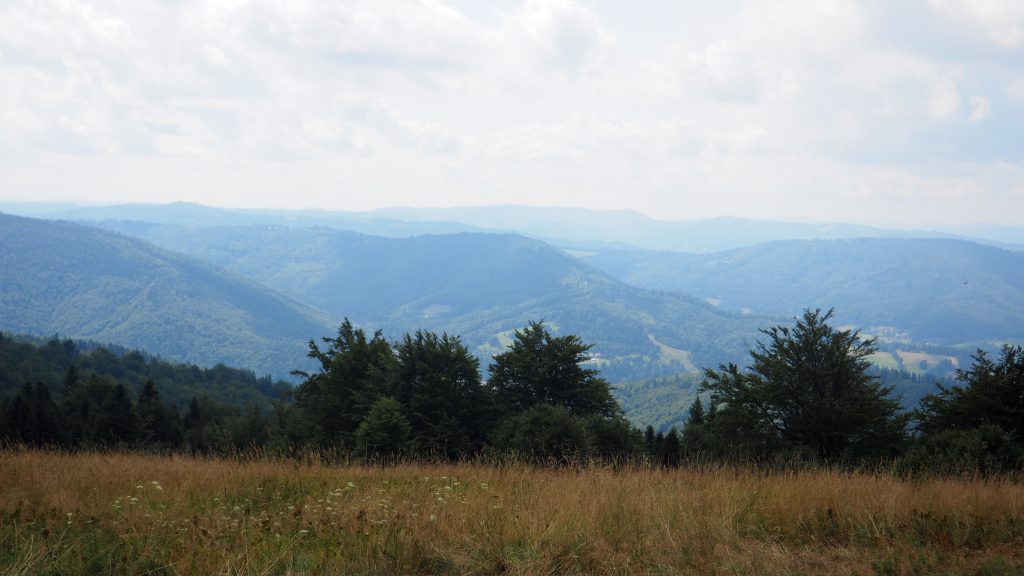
563,227
479,286
81,282
939,291
196,215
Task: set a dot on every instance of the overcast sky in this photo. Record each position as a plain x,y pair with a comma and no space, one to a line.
884,112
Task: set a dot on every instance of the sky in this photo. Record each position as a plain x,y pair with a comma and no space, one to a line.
884,112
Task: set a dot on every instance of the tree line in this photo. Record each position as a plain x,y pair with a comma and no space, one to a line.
809,395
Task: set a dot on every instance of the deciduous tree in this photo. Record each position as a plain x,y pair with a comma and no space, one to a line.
808,390
539,368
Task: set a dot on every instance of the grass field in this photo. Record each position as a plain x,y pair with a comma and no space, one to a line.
138,514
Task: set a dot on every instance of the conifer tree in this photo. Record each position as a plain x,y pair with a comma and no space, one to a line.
649,440
671,449
116,422
70,381
31,416
384,431
156,423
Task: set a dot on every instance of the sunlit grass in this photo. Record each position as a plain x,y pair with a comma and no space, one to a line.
125,513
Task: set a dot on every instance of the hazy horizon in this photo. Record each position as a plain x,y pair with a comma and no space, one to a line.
899,115
45,207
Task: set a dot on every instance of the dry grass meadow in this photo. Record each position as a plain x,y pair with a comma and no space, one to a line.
141,514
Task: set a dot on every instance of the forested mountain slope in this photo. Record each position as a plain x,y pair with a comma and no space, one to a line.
29,360
80,282
931,290
479,286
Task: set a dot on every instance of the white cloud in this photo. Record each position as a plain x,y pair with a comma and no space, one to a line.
688,108
560,33
1001,21
943,99
1016,90
981,108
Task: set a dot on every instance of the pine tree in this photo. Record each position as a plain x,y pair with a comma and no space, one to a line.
696,413
252,429
671,449
31,416
70,381
156,423
649,440
384,431
116,422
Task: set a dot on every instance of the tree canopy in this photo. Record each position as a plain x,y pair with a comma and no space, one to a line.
978,423
540,368
807,390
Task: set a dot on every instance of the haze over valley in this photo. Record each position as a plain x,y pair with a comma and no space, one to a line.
250,288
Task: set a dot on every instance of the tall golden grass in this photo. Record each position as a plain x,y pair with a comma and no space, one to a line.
118,513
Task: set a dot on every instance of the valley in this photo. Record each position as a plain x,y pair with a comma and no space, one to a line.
186,287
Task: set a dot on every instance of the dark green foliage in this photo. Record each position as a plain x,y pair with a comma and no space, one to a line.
207,426
989,393
984,449
696,415
979,421
291,427
808,391
698,439
71,379
31,416
157,424
251,429
539,368
556,407
63,364
116,422
100,412
98,409
384,431
432,384
354,372
671,449
543,432
612,437
438,384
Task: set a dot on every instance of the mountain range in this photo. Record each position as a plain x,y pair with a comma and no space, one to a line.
249,288
481,286
82,282
253,295
563,227
937,291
